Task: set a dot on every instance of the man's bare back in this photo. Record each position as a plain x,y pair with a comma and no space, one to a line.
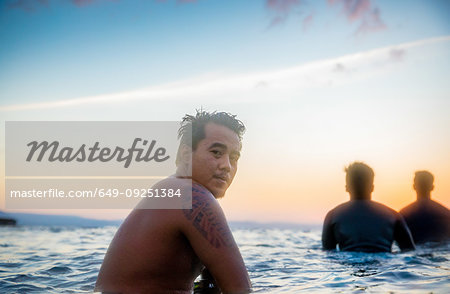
163,251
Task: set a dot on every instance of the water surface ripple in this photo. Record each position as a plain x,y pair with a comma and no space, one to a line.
66,260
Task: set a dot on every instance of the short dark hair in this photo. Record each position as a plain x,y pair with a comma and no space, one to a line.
359,177
192,129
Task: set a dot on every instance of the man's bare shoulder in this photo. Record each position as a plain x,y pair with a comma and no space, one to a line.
207,217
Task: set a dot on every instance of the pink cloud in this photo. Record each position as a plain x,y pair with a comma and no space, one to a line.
307,21
178,1
32,5
281,9
282,6
363,12
371,23
353,9
277,20
82,2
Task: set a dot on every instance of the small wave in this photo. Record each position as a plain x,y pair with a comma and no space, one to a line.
265,245
34,258
19,278
85,256
364,273
87,288
438,259
10,264
432,258
23,288
57,270
401,275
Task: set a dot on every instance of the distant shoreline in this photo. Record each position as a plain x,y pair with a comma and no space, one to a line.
34,219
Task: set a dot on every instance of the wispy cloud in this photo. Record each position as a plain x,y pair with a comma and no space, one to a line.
307,21
253,86
281,9
81,3
371,23
178,1
282,6
397,54
339,67
362,11
353,9
33,5
26,5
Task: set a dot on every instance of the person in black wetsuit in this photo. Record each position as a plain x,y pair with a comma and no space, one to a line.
362,224
427,219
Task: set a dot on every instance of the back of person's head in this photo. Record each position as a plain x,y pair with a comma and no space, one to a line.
192,129
423,183
359,180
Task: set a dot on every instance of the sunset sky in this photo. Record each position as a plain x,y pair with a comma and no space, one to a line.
318,84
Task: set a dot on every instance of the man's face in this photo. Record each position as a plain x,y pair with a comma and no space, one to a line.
214,162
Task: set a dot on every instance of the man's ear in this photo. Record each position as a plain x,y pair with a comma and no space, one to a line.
186,154
432,188
372,188
346,188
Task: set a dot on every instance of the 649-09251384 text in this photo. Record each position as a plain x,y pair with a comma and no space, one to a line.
97,193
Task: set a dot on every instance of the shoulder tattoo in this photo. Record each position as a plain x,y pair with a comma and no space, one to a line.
205,220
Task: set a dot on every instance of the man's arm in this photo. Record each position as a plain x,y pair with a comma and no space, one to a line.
402,235
207,230
328,240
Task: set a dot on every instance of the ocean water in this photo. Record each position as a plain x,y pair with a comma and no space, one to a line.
67,259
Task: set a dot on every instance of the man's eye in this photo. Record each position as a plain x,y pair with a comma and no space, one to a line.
216,152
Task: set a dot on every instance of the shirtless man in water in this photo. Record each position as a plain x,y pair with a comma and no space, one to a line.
163,251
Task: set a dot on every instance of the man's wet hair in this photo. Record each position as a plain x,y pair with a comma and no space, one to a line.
424,179
359,178
192,129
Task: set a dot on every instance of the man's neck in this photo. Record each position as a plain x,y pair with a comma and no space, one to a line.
360,197
423,196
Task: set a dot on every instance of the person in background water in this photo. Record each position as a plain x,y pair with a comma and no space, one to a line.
362,224
164,250
428,220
